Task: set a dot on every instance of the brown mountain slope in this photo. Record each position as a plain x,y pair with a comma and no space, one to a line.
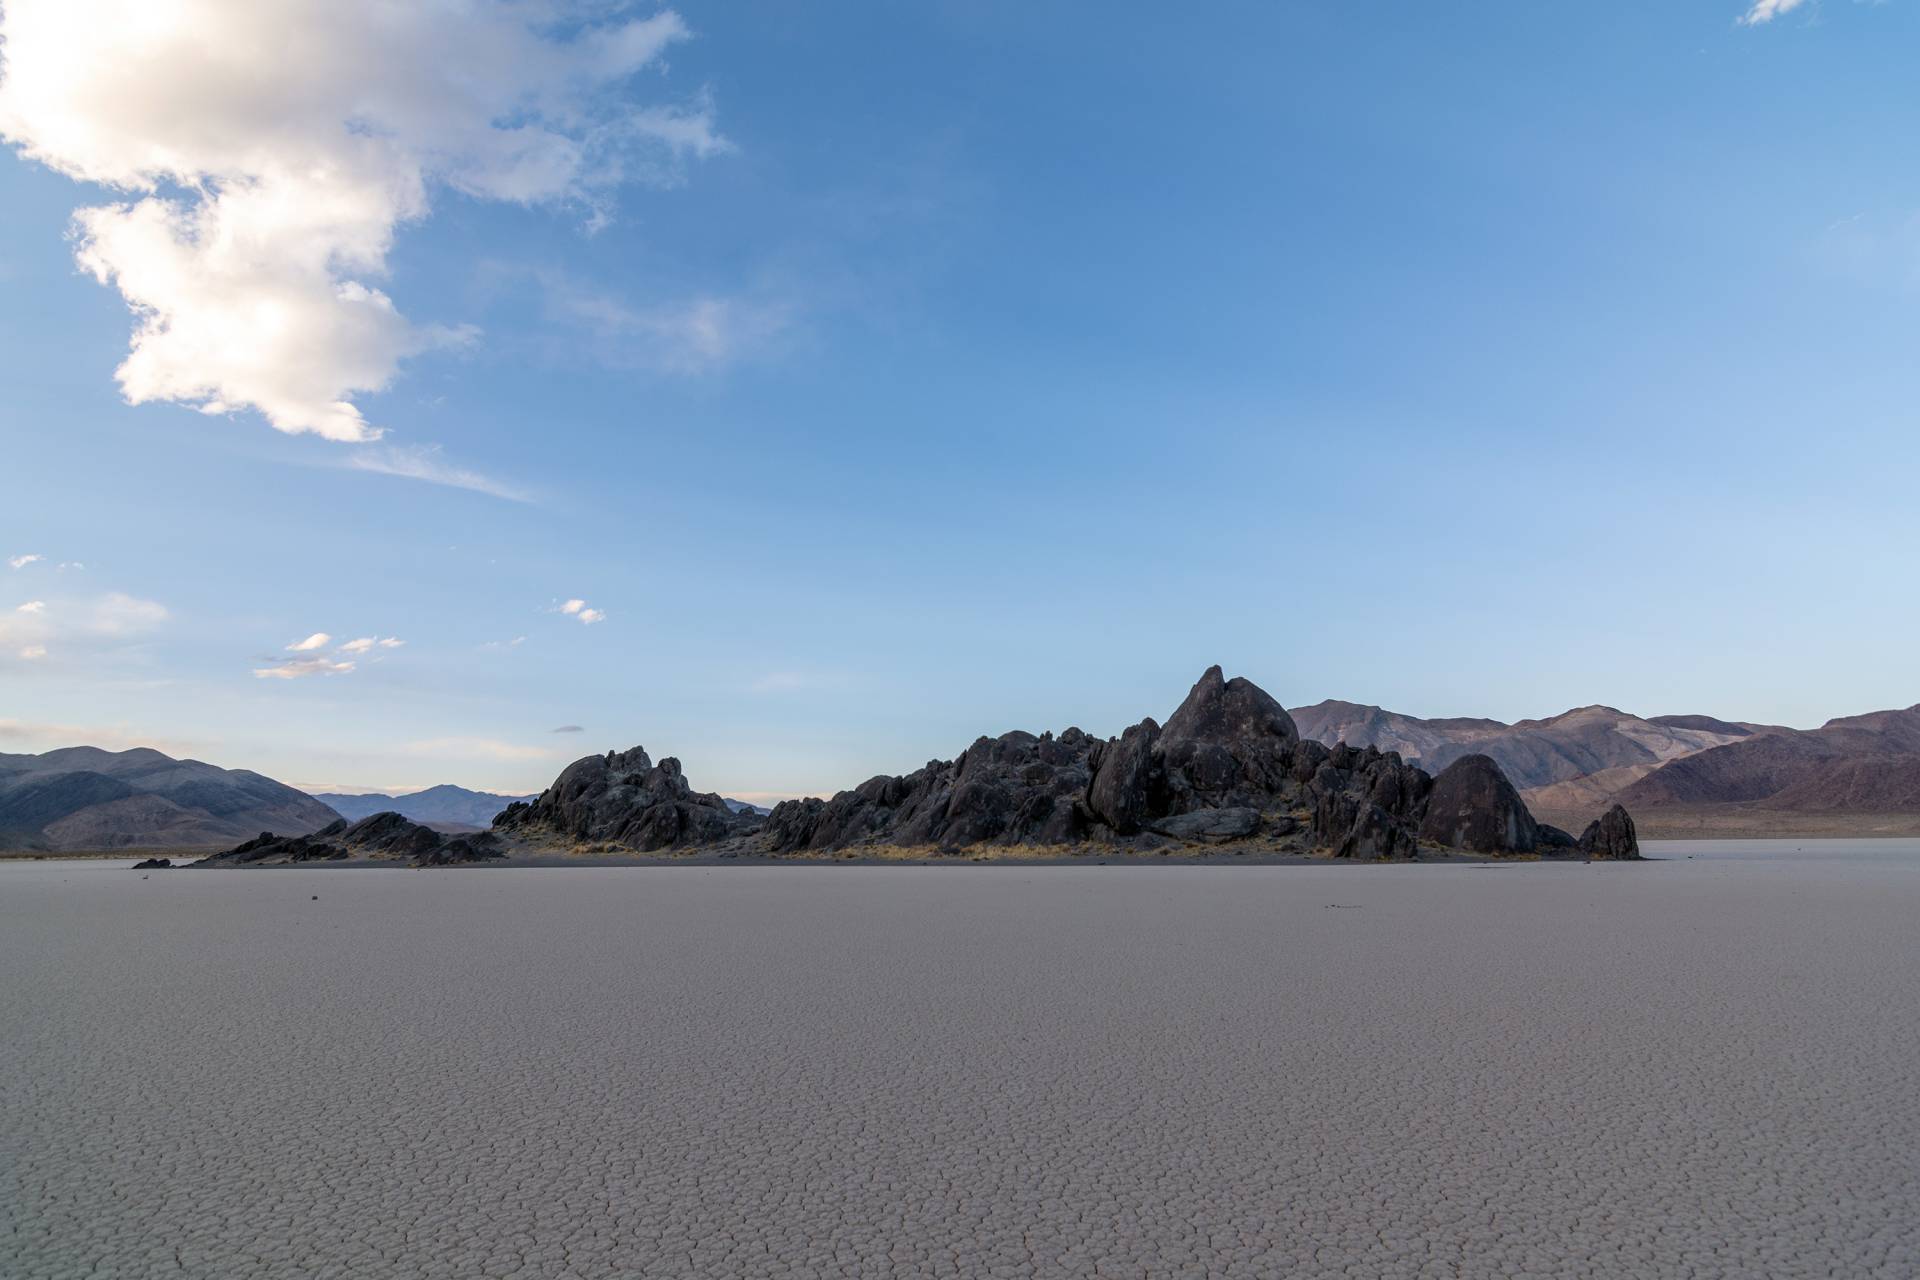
84,798
1834,768
1582,743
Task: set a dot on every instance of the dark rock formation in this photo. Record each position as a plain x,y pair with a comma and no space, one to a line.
1229,765
1126,786
154,864
1209,825
624,798
1014,789
1611,836
1553,838
1474,807
384,835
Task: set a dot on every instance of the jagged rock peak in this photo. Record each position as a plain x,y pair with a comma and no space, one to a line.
625,798
1221,710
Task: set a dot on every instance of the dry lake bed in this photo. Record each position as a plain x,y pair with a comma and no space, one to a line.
1703,1066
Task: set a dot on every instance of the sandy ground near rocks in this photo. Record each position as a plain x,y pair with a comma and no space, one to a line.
1704,1066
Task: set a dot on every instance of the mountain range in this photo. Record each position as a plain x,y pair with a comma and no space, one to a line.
1678,774
84,798
443,806
448,806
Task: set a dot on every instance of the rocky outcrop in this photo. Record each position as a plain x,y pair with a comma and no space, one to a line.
154,864
624,798
384,836
1474,807
1229,765
1014,789
1611,836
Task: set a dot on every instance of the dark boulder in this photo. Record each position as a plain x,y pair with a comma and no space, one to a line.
458,850
1211,826
1611,836
1127,787
1228,744
154,864
1473,807
1553,838
624,798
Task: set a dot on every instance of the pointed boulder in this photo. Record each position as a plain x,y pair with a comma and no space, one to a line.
1474,807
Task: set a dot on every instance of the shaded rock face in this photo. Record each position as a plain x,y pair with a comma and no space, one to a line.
383,835
1228,744
154,864
624,798
1228,765
1611,836
1014,789
1474,807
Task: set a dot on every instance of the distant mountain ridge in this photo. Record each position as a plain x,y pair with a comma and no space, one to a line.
86,798
1533,753
446,804
1697,772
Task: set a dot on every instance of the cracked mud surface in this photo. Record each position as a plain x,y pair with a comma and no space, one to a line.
1691,1068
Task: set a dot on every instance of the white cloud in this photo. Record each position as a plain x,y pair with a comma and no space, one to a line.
265,187
21,562
423,462
32,606
474,749
1768,10
318,640
366,644
33,651
297,668
578,609
514,643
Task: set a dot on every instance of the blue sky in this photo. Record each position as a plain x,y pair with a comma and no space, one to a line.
913,372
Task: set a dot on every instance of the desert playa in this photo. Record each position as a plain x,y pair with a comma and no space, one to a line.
1701,1065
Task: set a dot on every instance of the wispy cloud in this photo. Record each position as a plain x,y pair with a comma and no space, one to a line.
424,462
318,640
579,609
38,628
263,202
514,643
1768,10
21,562
42,735
569,728
299,668
366,644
